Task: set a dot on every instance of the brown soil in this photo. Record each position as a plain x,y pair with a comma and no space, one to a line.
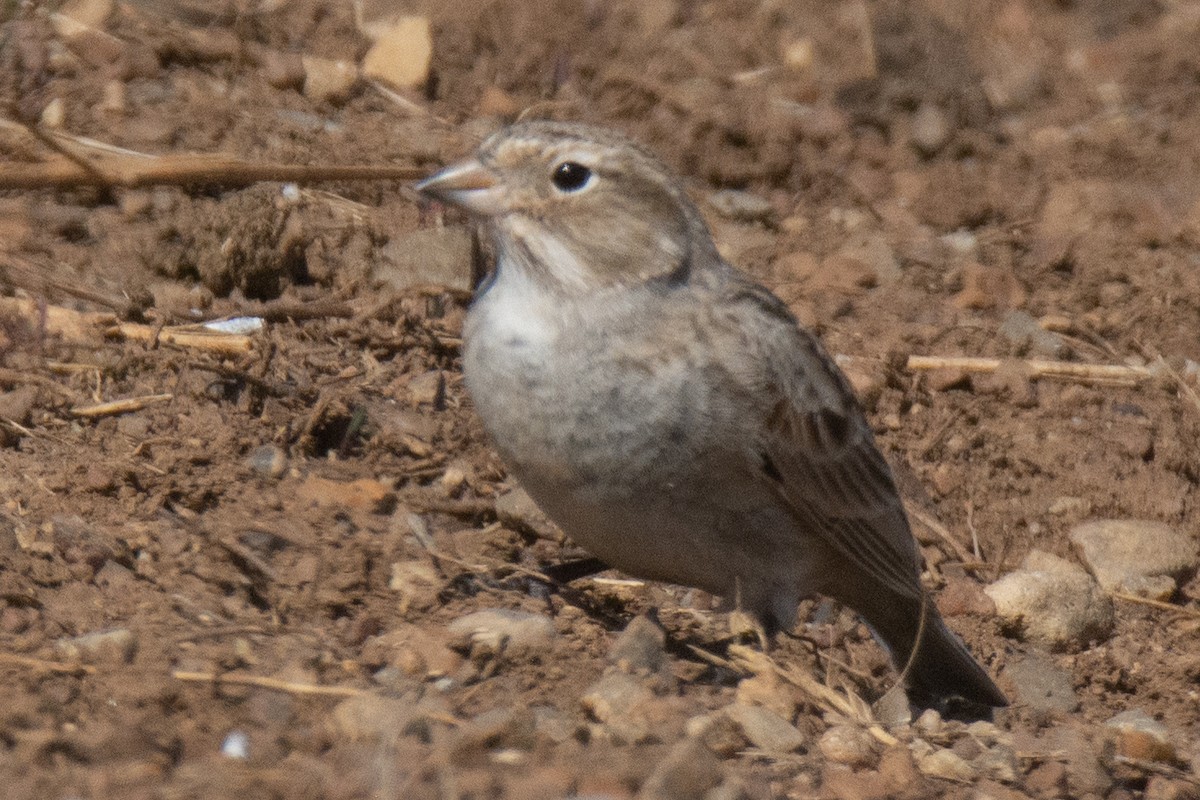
931,167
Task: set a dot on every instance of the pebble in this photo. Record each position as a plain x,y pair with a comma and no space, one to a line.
1024,332
687,773
765,729
516,510
619,701
269,460
1085,773
1053,603
640,647
328,80
502,630
236,745
1040,685
1139,736
931,128
849,745
929,724
741,206
1141,557
946,764
116,646
401,54
417,583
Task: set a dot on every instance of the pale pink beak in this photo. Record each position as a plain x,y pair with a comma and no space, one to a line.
468,185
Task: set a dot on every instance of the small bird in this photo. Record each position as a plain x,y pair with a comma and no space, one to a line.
669,413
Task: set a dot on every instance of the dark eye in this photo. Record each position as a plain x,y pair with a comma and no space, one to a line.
570,176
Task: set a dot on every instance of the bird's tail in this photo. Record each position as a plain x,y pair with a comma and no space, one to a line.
938,670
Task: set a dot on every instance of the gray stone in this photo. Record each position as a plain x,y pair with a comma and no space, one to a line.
268,460
116,646
621,702
946,764
640,647
1024,332
687,773
1141,557
765,729
1052,602
1037,683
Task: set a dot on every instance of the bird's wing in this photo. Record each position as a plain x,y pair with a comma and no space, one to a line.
818,450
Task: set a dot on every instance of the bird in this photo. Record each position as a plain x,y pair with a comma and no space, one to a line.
668,412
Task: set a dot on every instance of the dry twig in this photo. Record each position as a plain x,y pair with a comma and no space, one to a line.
275,684
46,666
125,406
1111,374
1159,604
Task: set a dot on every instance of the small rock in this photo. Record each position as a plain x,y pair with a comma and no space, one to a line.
327,80
1085,773
1024,332
769,690
1053,602
283,70
765,729
741,206
401,54
849,745
363,494
929,724
1141,557
640,647
718,732
116,646
18,404
501,630
268,460
900,775
1047,780
947,765
620,701
998,762
931,128
517,510
687,772
1037,683
236,745
417,583
1064,505
54,114
1160,787
495,102
441,256
841,783
1141,737
372,717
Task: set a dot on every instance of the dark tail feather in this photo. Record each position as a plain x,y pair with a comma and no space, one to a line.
943,674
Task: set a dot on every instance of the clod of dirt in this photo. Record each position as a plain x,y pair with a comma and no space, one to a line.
1141,557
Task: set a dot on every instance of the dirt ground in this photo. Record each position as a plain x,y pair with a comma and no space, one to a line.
315,512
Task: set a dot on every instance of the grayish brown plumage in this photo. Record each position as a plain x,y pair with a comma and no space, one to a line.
668,412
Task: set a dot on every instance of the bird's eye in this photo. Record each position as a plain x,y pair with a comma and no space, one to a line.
571,176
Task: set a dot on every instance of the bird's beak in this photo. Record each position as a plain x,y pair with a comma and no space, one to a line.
468,184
